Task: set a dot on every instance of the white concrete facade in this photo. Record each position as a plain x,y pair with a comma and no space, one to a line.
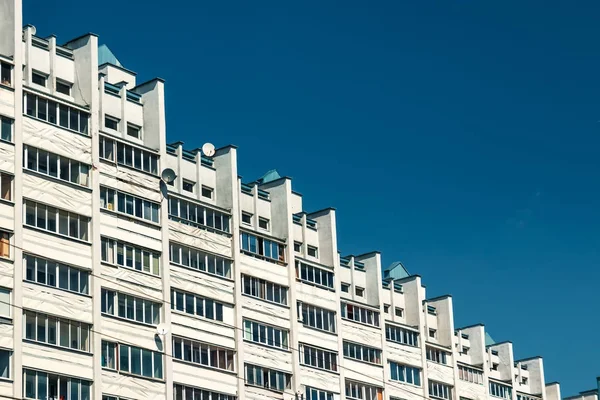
97,251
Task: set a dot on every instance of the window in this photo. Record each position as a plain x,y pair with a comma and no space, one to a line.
440,391
114,200
196,305
38,78
267,378
464,350
55,274
130,156
56,221
63,87
317,394
5,363
405,373
263,223
134,131
260,333
432,333
181,392
264,290
124,254
431,310
42,385
470,374
399,312
401,335
360,292
258,246
360,314
318,358
316,317
312,251
499,390
5,244
312,274
199,260
6,129
56,113
298,247
59,167
362,353
495,367
207,192
246,218
196,215
188,186
5,74
361,391
56,331
132,360
203,354
345,288
111,123
524,380
5,303
436,355
129,307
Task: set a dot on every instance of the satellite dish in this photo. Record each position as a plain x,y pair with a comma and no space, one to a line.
162,329
168,175
208,149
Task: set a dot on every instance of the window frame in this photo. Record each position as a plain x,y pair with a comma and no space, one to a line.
4,123
184,349
111,119
63,84
216,307
41,76
318,357
83,331
265,334
400,335
207,190
82,385
57,221
206,262
83,170
112,251
259,288
61,271
314,250
4,80
136,128
124,354
116,304
265,223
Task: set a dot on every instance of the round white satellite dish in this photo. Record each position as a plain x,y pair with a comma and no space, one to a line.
208,149
168,175
162,329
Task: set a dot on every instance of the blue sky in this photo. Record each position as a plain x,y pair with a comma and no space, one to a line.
459,137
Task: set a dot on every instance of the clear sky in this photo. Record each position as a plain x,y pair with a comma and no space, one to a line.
458,136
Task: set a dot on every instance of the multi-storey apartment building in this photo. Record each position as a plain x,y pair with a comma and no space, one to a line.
118,284
592,394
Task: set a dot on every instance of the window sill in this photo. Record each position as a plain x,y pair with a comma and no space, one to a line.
266,301
318,329
59,288
119,165
130,321
125,268
208,367
265,388
57,180
320,369
259,344
199,226
7,142
131,218
7,380
363,361
261,257
378,327
309,283
7,259
131,375
225,278
57,347
404,383
7,202
86,135
35,228
199,318
7,87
